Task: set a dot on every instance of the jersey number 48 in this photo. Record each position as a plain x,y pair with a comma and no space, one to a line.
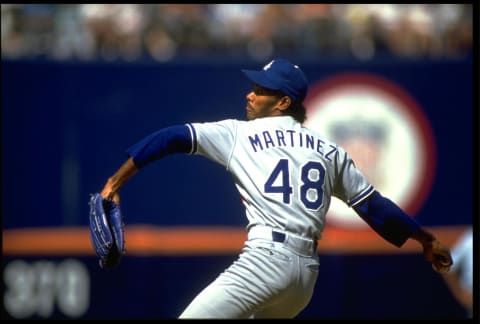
312,178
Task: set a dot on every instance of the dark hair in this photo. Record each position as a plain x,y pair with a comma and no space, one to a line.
297,110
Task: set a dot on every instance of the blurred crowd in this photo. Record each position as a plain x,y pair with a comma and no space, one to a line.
164,32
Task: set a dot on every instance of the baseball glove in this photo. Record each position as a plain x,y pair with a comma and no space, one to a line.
106,230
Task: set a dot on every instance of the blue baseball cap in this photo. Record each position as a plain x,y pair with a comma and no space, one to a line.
281,75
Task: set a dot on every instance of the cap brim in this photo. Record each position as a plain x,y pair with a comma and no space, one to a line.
260,78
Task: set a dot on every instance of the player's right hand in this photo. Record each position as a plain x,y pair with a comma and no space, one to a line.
439,255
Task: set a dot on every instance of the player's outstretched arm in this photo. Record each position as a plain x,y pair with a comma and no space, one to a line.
395,226
166,141
118,179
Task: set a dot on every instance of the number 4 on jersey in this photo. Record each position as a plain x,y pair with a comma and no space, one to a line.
308,184
285,188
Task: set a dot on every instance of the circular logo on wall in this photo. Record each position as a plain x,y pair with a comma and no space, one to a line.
385,132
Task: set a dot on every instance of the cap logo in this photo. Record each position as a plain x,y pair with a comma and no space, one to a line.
269,65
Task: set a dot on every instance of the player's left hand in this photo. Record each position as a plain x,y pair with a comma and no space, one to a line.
439,255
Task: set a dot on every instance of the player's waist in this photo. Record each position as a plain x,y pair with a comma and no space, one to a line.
301,245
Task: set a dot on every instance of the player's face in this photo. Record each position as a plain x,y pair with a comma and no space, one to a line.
262,102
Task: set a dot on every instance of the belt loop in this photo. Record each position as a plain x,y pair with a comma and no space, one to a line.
278,236
300,245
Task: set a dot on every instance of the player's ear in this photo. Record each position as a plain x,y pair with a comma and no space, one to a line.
284,102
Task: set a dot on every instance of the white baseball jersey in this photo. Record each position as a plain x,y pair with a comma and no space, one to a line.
285,173
462,255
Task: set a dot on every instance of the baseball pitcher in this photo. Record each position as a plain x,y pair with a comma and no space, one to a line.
286,175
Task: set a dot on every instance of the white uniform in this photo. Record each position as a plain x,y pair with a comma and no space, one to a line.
462,255
285,174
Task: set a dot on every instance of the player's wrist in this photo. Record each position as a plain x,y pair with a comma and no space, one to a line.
422,236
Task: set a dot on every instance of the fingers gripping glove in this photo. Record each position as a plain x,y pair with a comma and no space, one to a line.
106,230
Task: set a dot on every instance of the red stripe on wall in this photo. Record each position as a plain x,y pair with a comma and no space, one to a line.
155,240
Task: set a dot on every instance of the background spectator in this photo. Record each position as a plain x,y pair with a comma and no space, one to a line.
164,32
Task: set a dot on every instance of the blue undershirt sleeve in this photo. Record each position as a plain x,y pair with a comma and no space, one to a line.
169,140
387,219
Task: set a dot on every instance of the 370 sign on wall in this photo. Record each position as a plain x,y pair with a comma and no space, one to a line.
41,287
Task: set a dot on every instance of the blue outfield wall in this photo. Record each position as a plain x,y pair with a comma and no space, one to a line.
65,128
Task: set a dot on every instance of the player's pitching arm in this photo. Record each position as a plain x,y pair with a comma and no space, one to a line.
395,226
